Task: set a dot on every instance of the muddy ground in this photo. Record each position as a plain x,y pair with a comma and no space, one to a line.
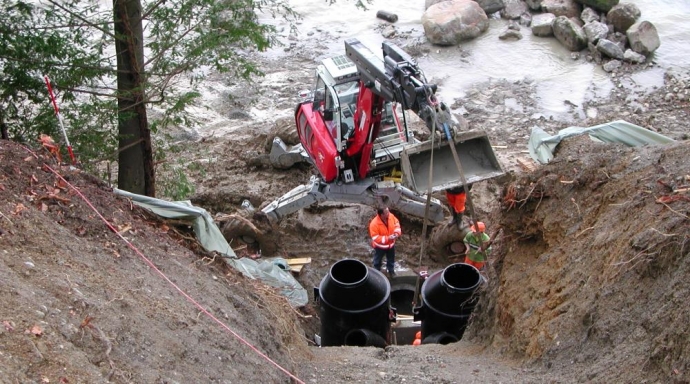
587,280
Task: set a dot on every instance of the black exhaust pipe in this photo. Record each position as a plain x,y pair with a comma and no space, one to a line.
447,301
354,305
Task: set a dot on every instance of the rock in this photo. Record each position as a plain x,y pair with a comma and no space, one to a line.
589,15
599,5
571,35
595,30
389,32
542,24
510,34
534,5
491,6
567,8
388,16
643,37
526,19
622,16
610,49
453,21
633,57
618,38
513,9
612,65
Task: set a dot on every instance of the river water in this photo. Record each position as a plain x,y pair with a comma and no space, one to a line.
557,75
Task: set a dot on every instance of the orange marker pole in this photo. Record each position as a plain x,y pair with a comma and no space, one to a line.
57,113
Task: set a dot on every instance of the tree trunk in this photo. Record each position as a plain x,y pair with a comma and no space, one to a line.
4,134
135,160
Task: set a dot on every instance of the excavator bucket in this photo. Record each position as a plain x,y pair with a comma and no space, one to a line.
477,159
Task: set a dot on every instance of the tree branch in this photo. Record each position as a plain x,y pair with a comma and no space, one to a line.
87,22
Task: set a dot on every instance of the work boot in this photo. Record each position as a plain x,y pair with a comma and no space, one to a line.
458,220
457,217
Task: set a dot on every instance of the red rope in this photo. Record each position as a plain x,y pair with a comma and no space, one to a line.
183,293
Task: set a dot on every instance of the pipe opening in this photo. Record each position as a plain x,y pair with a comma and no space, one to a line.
356,338
442,338
349,272
364,338
401,300
461,277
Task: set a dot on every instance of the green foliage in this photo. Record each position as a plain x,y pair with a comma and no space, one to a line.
72,42
39,41
173,171
175,185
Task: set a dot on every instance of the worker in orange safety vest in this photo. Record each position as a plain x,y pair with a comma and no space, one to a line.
384,229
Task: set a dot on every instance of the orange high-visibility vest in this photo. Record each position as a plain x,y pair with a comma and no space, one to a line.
379,232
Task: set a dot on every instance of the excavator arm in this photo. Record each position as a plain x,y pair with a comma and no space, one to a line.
398,78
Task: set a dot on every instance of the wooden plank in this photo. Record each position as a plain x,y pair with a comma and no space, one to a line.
299,260
296,268
527,164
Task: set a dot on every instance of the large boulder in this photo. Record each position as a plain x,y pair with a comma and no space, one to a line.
569,33
622,16
453,21
568,8
542,24
513,9
643,37
599,5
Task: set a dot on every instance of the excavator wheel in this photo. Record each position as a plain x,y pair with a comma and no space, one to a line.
446,244
240,229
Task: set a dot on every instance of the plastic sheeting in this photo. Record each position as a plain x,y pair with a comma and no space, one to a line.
542,145
273,272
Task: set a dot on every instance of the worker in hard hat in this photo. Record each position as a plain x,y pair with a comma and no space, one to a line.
477,245
456,200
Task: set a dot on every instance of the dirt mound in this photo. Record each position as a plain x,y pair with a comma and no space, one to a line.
82,306
590,276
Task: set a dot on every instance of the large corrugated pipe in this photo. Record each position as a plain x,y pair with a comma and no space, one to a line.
447,301
440,338
353,297
364,338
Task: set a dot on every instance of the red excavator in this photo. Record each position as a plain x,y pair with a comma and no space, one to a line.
353,128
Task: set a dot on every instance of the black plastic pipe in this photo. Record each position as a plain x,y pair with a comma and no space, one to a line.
447,301
353,297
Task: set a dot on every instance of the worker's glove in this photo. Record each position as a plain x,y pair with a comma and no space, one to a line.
392,237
